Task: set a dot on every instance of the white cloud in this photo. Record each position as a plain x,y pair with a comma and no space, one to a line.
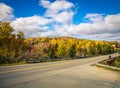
31,25
61,30
60,10
64,17
99,26
6,12
50,33
55,7
113,19
57,12
45,3
58,21
95,17
106,36
34,20
113,22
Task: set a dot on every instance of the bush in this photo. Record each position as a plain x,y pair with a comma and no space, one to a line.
116,62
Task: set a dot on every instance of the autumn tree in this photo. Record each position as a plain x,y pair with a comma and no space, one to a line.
60,51
5,35
9,43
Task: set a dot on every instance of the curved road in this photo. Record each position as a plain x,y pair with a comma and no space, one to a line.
79,73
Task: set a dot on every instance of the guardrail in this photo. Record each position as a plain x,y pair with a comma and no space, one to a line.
107,66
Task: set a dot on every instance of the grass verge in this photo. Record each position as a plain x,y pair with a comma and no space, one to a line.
12,64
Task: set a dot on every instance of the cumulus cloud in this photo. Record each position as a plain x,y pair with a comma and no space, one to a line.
57,13
58,21
54,8
99,26
64,17
45,3
6,12
94,17
60,11
31,25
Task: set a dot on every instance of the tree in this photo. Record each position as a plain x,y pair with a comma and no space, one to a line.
5,30
60,51
72,50
20,38
92,50
99,49
5,34
10,46
105,49
20,35
51,52
5,40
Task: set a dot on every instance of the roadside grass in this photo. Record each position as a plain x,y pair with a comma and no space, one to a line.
116,62
41,61
20,63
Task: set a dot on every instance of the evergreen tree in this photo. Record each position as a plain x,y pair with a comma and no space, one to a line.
72,50
51,52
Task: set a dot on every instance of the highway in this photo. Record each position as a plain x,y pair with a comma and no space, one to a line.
77,73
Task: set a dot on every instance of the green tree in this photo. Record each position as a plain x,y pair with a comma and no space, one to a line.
20,35
72,50
51,51
92,50
60,51
99,49
105,49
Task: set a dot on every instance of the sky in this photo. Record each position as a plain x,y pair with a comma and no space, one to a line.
86,19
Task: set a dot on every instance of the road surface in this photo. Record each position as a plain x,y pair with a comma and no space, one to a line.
79,73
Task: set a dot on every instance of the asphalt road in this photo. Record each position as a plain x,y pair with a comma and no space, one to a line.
78,73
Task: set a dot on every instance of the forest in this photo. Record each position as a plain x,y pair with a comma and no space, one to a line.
14,47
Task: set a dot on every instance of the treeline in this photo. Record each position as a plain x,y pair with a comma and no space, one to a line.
67,47
14,47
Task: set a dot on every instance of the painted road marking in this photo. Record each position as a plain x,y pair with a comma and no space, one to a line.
24,69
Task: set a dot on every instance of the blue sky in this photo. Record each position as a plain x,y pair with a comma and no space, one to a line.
91,19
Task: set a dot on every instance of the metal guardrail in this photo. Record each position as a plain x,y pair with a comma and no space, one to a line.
40,60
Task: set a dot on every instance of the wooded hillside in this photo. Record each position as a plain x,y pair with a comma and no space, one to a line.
14,47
